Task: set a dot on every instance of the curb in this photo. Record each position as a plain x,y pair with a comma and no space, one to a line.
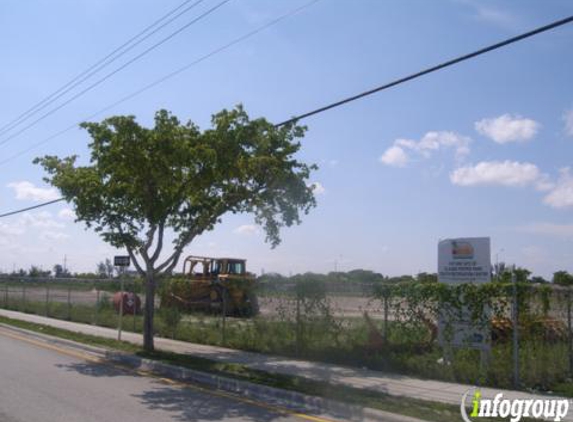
291,400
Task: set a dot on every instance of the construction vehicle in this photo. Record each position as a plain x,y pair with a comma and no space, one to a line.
216,285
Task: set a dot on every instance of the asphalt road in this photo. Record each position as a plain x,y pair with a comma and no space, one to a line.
42,385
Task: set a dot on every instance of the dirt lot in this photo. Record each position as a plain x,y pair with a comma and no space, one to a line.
342,306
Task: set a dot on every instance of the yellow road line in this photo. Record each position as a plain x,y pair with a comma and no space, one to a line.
85,356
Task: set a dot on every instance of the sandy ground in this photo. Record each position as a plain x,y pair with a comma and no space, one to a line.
342,306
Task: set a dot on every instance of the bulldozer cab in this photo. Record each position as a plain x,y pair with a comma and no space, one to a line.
208,267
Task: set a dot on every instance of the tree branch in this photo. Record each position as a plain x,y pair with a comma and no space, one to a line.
145,247
178,249
137,266
159,242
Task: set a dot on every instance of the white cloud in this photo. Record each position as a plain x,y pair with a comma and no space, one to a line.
508,128
431,142
317,188
41,219
67,214
51,235
246,230
394,156
568,119
502,173
492,15
495,16
28,191
548,229
561,196
11,229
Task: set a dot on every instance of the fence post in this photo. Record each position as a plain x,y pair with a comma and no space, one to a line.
69,303
385,319
97,306
515,321
24,297
134,307
6,295
47,299
298,325
570,329
119,321
224,324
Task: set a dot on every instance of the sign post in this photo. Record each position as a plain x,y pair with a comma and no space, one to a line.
464,260
122,262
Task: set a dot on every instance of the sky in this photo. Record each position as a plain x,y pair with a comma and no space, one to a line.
480,149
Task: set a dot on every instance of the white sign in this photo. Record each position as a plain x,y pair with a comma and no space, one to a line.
464,260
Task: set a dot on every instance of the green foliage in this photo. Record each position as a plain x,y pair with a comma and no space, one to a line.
176,176
171,317
563,278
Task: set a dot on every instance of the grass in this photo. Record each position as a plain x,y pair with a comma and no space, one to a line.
426,410
544,365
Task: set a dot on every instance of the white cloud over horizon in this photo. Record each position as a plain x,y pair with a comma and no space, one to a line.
508,128
38,220
548,229
395,157
500,173
561,196
26,190
246,230
67,214
431,142
53,235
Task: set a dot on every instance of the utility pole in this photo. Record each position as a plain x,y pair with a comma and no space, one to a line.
515,318
65,263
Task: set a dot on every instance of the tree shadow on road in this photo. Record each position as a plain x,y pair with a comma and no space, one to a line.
186,404
189,405
95,369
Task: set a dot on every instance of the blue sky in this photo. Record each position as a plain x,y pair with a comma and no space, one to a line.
479,149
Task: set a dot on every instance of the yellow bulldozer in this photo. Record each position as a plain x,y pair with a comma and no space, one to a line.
216,285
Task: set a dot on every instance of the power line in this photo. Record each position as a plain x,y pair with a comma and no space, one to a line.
165,78
123,66
100,64
394,83
31,208
432,69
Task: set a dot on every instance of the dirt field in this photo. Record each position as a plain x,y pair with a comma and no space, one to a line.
342,306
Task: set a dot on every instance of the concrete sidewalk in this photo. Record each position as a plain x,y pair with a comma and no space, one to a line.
391,384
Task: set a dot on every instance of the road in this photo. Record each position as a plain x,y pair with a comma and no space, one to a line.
45,385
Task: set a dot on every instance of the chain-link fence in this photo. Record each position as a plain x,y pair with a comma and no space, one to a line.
385,327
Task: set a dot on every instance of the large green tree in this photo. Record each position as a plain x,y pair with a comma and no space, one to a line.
141,182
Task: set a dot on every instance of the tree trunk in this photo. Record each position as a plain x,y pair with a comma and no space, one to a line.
148,313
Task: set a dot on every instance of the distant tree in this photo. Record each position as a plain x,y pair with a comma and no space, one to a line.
427,278
364,276
141,181
105,269
538,280
522,275
101,270
401,279
61,272
58,270
35,271
563,278
109,268
499,269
